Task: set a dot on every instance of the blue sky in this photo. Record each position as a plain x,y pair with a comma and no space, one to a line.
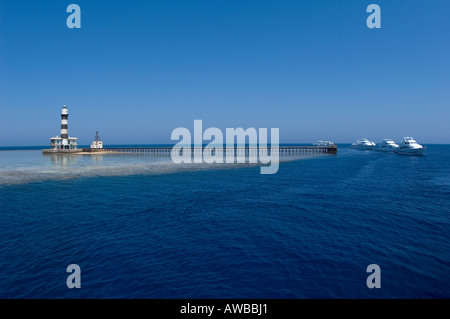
136,70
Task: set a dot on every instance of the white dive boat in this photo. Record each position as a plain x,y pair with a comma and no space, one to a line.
363,144
410,147
324,143
387,145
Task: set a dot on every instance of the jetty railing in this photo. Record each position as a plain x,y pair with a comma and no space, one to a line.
247,150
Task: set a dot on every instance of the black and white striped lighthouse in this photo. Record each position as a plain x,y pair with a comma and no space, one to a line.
64,125
64,142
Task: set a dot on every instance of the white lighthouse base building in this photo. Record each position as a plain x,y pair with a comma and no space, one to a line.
58,143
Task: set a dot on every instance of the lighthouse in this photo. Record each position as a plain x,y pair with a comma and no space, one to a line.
64,125
64,142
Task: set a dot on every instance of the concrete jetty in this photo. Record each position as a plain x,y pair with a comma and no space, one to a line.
166,151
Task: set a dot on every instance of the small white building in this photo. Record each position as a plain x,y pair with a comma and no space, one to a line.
97,143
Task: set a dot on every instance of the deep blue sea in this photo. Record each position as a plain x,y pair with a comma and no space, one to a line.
139,229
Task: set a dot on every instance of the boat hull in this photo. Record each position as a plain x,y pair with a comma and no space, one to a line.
363,147
411,151
386,149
